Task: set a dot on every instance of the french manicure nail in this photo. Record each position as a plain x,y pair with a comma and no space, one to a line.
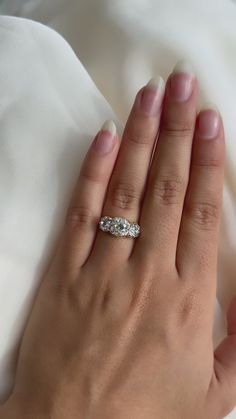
208,122
104,141
181,82
152,96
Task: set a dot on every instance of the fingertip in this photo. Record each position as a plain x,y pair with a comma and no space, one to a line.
149,98
104,141
208,123
109,126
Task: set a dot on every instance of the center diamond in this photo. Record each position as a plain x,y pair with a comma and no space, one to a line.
119,227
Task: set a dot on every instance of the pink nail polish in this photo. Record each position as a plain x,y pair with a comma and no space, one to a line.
181,87
104,140
208,124
150,99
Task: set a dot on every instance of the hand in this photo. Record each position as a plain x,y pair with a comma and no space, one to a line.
122,327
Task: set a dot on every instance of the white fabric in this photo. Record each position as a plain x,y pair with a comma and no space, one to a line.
50,110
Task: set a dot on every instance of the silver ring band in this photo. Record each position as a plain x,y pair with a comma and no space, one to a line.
118,226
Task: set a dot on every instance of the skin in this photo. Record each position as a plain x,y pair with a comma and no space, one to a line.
122,328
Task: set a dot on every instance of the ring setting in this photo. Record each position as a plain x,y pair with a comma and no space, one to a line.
120,227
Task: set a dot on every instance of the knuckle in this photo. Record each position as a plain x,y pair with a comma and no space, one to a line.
209,162
91,176
204,214
167,190
124,196
143,138
79,217
177,129
189,308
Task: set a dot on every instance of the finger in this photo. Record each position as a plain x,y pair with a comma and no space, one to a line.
163,203
198,236
86,204
224,388
128,180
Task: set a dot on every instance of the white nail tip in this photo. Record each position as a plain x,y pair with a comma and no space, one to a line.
157,83
109,126
183,66
209,106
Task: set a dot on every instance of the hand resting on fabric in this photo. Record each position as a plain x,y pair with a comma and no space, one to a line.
122,327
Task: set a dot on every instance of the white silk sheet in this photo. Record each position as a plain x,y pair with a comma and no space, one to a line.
56,89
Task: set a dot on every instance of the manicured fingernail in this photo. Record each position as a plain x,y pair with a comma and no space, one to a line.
152,95
104,141
181,82
208,122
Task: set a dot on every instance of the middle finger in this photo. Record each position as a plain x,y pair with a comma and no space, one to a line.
167,183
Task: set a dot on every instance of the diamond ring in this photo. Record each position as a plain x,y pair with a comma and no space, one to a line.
118,226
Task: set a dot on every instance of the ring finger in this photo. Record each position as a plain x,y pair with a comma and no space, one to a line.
85,208
127,183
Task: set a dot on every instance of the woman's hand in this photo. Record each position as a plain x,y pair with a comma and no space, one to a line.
122,327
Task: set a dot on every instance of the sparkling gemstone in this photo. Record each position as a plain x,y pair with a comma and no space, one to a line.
134,230
105,223
119,226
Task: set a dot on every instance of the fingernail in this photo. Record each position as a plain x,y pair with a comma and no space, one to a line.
181,82
208,122
151,99
104,141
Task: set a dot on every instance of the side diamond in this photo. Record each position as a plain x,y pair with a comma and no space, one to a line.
134,230
105,223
